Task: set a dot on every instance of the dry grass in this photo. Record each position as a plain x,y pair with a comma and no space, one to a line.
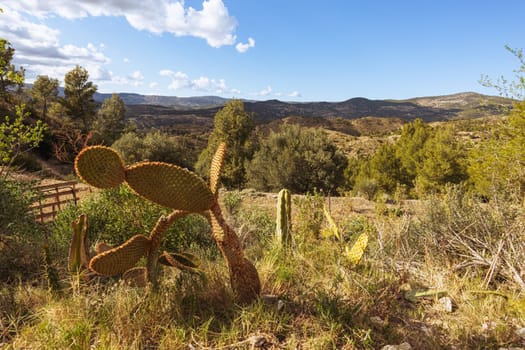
312,298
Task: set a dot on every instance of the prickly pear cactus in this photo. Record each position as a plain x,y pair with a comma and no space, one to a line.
100,167
174,187
79,247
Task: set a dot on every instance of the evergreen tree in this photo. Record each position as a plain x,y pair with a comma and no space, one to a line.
233,125
385,168
10,78
443,162
78,100
409,149
299,159
110,123
44,92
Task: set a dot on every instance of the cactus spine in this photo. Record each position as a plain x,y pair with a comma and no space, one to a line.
284,218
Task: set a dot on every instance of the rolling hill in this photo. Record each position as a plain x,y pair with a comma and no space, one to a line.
183,115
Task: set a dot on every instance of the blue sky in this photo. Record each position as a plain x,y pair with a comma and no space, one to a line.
266,49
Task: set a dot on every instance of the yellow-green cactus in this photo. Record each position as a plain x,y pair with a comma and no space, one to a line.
216,168
100,167
174,187
79,248
283,224
170,186
355,253
117,260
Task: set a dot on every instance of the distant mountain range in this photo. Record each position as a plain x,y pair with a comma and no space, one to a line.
167,101
191,112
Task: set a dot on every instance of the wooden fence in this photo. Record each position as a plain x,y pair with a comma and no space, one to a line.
54,197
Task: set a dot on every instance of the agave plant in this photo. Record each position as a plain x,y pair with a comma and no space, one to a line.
179,189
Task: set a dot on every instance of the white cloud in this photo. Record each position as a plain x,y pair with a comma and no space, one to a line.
294,94
242,48
180,80
265,92
153,85
126,60
136,78
212,23
39,51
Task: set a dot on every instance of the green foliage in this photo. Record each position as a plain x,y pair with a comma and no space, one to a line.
443,162
17,137
409,148
351,172
234,126
78,98
232,201
117,214
381,174
110,122
300,159
310,216
44,92
10,77
516,87
497,165
154,146
423,159
20,236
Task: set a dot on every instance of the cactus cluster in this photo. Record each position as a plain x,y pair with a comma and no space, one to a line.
179,189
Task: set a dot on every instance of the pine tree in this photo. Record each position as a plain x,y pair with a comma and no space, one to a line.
233,125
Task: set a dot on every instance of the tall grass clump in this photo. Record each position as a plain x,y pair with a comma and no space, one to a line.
482,240
21,237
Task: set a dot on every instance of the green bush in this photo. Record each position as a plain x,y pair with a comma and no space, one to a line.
21,237
116,215
153,146
300,159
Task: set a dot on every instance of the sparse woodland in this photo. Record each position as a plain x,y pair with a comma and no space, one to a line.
418,240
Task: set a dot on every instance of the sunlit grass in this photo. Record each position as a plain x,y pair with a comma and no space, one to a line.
311,299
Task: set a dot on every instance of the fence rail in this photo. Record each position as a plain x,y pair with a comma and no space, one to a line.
54,197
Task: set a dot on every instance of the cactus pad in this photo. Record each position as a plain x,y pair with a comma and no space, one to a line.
102,247
170,185
182,261
136,277
216,168
355,253
121,258
100,167
79,248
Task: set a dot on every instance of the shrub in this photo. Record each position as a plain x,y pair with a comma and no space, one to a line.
154,146
117,214
485,239
309,214
21,237
300,159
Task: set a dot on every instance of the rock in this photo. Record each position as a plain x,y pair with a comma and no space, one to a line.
402,346
377,321
521,333
446,303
